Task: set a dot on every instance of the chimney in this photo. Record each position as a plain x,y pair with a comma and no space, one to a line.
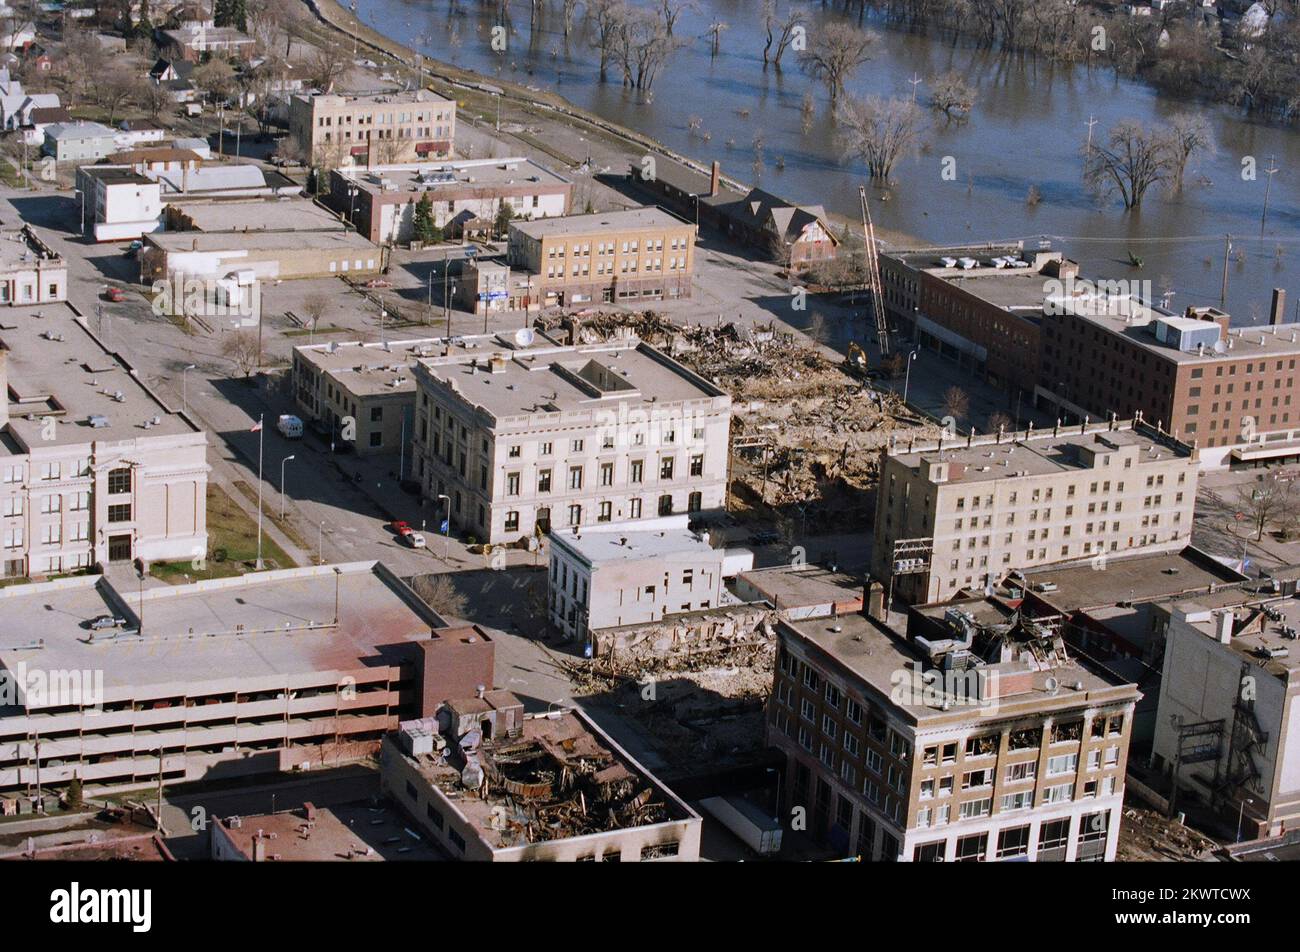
1275,315
259,848
715,176
1223,626
4,385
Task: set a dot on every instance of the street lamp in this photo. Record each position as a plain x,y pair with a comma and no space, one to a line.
446,525
282,462
907,376
1240,813
185,399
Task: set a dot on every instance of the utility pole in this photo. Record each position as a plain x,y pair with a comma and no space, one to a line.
1268,187
915,81
1227,250
1092,121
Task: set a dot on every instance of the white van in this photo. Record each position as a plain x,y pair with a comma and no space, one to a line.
290,426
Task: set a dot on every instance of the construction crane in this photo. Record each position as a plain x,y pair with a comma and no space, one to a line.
873,276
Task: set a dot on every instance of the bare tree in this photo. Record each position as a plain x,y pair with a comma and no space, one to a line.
643,46
671,11
607,17
240,348
152,97
956,403
216,78
836,54
999,421
878,131
1132,159
780,30
1263,501
950,93
314,307
114,89
327,65
1186,134
439,593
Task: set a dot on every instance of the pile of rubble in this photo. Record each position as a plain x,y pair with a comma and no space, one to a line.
1147,836
807,431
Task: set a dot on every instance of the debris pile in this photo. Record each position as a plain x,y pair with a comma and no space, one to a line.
1147,836
807,431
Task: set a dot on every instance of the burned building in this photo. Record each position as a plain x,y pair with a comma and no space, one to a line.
486,782
974,737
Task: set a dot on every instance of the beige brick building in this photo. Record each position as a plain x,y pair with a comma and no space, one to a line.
920,749
539,436
379,129
964,512
612,257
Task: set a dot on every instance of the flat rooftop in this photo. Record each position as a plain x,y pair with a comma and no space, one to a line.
58,368
356,832
612,545
394,98
788,586
222,632
115,175
367,369
18,252
1254,631
1083,586
1137,326
879,659
1040,453
182,241
432,176
547,748
630,219
554,379
269,214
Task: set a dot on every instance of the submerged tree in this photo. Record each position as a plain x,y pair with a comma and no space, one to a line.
878,131
1131,160
838,52
1186,133
950,93
781,30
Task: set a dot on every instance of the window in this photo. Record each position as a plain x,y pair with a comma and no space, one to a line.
976,808
1013,842
606,512
575,477
930,852
970,849
665,505
1025,771
1061,793
544,481
666,468
977,778
575,515
512,522
121,513
1065,763
376,414
119,480
697,465
1017,801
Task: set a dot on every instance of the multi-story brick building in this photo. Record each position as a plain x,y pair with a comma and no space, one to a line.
958,743
373,129
963,512
634,254
525,437
94,467
1232,391
979,306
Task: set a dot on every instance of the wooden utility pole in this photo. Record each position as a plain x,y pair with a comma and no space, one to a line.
915,81
1092,121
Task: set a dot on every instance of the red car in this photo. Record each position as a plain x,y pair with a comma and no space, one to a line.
116,295
400,528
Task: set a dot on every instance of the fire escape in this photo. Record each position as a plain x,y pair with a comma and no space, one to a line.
1246,738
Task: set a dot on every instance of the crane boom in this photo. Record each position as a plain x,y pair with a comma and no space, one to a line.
873,276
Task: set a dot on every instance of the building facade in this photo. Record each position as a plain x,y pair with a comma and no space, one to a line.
890,758
1232,391
94,470
79,141
614,257
376,129
608,576
521,438
380,200
31,272
1228,706
961,514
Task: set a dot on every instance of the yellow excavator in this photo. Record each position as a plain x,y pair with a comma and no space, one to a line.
855,362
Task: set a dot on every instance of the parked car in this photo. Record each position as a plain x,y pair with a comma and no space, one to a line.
400,528
414,539
116,295
106,621
133,248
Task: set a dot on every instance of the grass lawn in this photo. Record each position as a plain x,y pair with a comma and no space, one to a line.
232,536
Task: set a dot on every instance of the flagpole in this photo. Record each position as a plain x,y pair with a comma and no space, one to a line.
261,435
